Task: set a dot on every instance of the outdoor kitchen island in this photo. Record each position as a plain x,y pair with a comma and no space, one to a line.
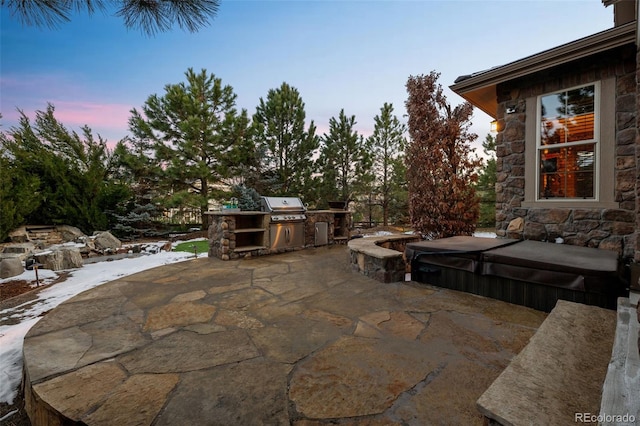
284,226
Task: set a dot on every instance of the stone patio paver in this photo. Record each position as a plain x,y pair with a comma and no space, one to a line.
295,338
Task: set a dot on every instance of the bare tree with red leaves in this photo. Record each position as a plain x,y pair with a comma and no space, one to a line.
441,165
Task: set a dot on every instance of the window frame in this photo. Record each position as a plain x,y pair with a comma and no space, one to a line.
596,141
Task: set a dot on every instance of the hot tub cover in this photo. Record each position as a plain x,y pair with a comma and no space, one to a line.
559,265
460,252
556,257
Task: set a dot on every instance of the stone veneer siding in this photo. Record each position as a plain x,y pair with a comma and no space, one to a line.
222,238
310,226
637,167
611,229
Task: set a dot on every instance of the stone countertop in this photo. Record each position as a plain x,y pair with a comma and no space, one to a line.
370,247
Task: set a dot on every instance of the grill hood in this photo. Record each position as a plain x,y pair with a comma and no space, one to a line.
282,205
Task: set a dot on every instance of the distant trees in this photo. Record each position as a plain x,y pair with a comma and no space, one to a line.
285,146
196,136
150,16
345,161
487,184
440,167
190,146
387,145
51,175
17,191
136,166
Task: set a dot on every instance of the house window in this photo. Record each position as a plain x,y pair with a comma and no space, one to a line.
567,148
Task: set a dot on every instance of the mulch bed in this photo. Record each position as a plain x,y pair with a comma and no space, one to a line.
14,288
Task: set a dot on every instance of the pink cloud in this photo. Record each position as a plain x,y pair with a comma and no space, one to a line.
94,115
67,92
109,120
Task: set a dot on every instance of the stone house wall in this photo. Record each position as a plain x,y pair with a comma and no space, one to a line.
605,228
637,168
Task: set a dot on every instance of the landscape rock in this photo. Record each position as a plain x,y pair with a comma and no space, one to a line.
69,233
19,235
87,248
60,258
516,225
106,241
10,267
17,250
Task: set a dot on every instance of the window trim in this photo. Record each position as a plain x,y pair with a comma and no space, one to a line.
606,174
595,141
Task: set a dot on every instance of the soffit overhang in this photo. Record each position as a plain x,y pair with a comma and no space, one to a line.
480,88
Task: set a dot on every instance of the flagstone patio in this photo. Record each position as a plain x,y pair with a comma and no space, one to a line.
296,338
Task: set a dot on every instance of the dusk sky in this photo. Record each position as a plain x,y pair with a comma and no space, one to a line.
355,55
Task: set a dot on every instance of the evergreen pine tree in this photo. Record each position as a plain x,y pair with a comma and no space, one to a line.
197,136
17,193
345,161
387,143
248,198
150,16
287,147
68,175
487,184
399,198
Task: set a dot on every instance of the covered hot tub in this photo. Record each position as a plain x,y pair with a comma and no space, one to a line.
529,273
454,262
537,274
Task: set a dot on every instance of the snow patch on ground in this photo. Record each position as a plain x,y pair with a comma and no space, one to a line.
485,235
79,280
378,234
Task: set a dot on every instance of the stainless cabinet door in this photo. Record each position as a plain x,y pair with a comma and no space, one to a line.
286,235
322,234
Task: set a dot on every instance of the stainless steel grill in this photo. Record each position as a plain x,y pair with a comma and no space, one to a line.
284,209
287,221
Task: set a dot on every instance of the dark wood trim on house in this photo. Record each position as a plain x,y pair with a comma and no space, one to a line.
480,88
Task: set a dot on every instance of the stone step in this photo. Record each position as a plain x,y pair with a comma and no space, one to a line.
558,376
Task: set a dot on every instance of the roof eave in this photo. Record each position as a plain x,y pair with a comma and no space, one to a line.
480,88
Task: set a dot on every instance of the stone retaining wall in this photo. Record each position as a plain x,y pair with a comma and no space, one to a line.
609,229
381,258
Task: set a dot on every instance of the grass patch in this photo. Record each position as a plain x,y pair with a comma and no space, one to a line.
202,246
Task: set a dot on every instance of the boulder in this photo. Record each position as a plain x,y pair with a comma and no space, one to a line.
10,267
516,225
69,233
19,250
19,235
106,241
60,258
